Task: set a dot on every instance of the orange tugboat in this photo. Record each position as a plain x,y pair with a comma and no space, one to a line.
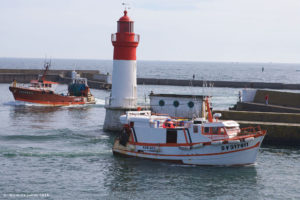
42,92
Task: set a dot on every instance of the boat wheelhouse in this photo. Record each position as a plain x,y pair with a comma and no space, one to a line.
42,91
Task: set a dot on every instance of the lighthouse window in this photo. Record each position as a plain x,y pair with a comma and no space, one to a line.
171,136
124,27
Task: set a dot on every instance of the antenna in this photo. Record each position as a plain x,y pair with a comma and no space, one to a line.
126,6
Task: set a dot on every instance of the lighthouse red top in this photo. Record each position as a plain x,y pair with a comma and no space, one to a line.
125,18
125,40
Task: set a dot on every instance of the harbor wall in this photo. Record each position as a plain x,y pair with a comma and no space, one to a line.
260,116
260,107
278,101
230,84
287,99
278,134
282,128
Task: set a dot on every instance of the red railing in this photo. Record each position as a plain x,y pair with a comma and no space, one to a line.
250,130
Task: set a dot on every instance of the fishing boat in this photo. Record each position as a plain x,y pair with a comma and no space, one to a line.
42,91
199,141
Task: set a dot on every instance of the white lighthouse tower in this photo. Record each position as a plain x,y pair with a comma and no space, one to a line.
123,94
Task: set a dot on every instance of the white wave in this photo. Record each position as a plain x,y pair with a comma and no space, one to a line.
100,101
21,103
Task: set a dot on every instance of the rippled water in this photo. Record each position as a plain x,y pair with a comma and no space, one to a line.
64,153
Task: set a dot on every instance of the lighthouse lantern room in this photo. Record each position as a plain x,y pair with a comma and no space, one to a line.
123,94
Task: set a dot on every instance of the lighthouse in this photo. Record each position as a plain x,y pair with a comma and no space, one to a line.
123,95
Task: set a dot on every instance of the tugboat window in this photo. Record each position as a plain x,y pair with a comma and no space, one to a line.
171,136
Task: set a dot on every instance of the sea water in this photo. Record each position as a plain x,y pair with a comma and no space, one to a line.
63,152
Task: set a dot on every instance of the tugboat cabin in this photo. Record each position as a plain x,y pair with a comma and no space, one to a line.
42,85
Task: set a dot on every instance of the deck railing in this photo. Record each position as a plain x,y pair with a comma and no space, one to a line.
250,130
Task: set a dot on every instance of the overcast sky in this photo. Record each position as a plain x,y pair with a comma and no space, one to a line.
179,30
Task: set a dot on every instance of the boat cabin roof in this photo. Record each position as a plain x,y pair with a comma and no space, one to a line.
228,123
44,82
141,116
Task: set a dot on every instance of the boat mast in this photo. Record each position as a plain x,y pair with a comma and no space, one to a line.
46,68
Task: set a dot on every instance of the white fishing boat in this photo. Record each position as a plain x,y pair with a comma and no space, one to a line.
200,141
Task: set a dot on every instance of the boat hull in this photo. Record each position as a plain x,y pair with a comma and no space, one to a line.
244,153
48,98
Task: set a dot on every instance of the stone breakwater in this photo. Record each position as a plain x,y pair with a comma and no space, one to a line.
209,83
99,81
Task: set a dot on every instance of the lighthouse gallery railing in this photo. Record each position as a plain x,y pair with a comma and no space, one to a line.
135,39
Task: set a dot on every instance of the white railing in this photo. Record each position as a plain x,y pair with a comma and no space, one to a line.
135,39
113,37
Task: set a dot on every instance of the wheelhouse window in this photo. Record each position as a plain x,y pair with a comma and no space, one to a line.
124,27
233,130
215,130
222,131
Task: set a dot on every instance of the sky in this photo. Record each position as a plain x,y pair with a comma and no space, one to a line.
172,30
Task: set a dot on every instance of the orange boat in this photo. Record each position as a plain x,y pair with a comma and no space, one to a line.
42,92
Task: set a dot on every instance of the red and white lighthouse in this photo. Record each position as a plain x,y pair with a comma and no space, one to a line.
123,94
